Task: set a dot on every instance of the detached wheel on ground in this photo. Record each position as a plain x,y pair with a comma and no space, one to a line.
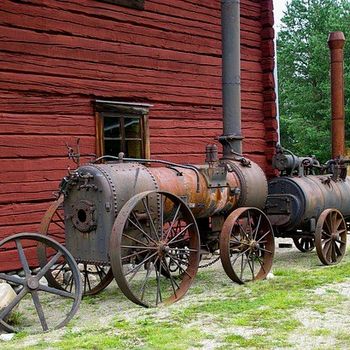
154,248
247,245
304,244
330,237
95,277
54,307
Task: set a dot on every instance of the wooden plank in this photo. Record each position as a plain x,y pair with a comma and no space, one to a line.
47,124
41,146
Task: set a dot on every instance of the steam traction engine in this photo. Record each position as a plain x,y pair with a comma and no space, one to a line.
149,226
308,203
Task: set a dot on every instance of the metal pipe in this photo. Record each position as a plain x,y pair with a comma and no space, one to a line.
336,42
231,80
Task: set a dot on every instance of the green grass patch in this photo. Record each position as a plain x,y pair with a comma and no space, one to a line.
264,313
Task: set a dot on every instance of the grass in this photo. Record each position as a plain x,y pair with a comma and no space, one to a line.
260,315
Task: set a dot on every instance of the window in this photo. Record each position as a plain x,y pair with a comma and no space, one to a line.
122,127
134,4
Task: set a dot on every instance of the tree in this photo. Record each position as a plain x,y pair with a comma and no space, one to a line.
304,74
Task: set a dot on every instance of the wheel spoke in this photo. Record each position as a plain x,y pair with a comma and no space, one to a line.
150,219
334,255
135,240
161,217
143,287
140,264
141,230
159,294
250,224
181,232
172,222
243,231
22,257
13,303
240,254
250,266
327,249
329,225
337,249
243,266
56,291
39,310
138,247
135,254
265,234
265,250
181,261
13,279
257,227
48,266
172,280
179,266
340,241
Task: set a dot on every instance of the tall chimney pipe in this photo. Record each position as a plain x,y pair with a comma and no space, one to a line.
231,80
336,42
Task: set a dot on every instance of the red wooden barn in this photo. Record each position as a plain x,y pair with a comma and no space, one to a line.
143,77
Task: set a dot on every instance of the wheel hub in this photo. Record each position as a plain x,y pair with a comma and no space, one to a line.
335,236
33,283
254,245
163,249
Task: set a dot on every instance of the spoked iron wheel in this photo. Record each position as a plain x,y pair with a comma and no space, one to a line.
47,300
330,237
247,245
95,277
304,244
154,248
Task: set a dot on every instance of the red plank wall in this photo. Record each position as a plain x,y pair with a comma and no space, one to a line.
57,56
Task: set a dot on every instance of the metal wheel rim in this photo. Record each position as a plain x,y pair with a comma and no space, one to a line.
256,244
330,237
105,277
117,257
61,251
304,244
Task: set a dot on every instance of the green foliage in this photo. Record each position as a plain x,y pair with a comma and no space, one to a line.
304,74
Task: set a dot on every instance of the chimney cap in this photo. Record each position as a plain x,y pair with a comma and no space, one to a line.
336,40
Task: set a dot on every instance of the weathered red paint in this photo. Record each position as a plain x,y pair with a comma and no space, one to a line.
56,57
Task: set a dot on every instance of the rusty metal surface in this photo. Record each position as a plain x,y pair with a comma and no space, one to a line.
247,245
213,196
330,237
252,183
336,42
311,196
95,277
93,201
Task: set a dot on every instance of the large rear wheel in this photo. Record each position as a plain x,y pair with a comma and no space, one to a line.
154,248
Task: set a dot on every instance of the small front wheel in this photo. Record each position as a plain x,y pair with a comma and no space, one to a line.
330,237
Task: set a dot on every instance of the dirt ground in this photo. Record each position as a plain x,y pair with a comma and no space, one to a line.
317,329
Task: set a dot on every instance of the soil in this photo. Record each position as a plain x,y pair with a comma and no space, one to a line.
98,312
